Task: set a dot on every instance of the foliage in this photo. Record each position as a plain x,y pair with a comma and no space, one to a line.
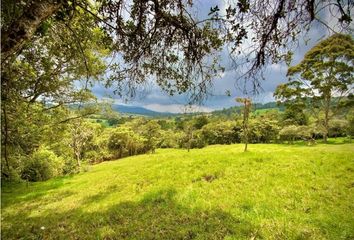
200,121
225,132
263,130
170,139
350,118
292,132
42,165
338,128
151,131
326,71
124,142
38,85
265,32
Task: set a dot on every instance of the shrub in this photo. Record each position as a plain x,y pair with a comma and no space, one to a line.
124,142
338,128
13,176
289,133
263,130
226,132
42,165
70,166
292,132
170,139
198,141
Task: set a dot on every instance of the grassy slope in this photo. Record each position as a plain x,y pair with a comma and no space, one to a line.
271,192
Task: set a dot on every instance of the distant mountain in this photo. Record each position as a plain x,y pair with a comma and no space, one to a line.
135,110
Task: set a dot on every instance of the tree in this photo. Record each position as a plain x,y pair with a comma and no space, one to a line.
157,38
80,135
322,80
267,31
40,80
200,121
162,37
338,128
188,134
151,131
262,130
15,33
221,132
123,141
246,112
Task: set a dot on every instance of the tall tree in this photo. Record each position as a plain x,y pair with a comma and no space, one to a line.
151,131
246,102
322,79
42,80
16,32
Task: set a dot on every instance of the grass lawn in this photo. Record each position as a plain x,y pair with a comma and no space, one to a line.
219,192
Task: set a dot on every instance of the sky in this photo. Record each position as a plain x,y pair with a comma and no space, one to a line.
156,100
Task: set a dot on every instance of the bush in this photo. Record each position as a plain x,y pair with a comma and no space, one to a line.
289,133
42,165
226,132
13,176
123,142
338,128
292,132
198,141
70,166
170,139
263,130
350,119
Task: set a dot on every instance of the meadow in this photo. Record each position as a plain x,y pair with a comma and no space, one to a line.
219,192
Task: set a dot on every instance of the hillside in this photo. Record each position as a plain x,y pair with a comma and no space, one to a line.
271,192
135,110
256,107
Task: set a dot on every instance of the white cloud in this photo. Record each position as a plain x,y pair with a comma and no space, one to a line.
112,101
177,108
277,67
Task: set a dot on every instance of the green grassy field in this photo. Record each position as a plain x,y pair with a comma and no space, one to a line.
219,192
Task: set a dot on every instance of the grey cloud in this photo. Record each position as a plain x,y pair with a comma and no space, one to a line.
217,99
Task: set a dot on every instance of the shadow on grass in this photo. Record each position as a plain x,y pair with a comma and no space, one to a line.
14,193
330,141
156,216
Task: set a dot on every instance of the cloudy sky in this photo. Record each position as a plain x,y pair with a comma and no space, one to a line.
156,100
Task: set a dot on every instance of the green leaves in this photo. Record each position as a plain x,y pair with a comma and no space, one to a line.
325,72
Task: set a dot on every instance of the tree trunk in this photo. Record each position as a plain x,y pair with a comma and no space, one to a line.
20,31
326,120
6,133
245,122
78,159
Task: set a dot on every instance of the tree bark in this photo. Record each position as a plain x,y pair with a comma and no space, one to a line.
20,31
78,159
6,131
326,120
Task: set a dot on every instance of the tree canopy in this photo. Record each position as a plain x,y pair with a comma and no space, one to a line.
162,40
323,78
